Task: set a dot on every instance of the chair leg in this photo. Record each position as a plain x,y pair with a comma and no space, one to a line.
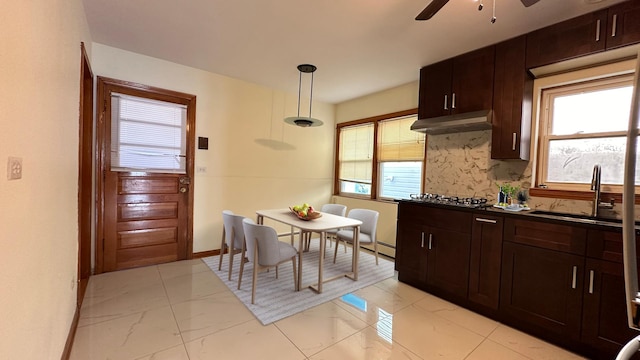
222,245
335,253
243,252
375,249
232,252
255,274
295,274
276,271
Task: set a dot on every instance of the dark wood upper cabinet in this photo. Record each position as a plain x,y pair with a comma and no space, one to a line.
566,40
588,34
512,99
459,85
623,24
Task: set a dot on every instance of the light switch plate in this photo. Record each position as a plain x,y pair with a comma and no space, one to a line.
14,168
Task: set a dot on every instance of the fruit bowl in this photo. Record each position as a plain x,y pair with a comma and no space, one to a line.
310,215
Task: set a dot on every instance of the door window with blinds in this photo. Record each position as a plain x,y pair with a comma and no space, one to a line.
396,168
147,135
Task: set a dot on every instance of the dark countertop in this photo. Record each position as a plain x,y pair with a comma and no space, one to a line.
560,218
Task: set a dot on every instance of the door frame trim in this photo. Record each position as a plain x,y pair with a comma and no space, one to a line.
105,86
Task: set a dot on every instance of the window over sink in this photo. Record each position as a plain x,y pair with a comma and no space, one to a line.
583,122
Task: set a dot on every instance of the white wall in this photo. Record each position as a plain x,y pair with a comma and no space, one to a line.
39,117
242,175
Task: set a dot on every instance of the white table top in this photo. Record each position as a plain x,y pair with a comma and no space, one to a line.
323,223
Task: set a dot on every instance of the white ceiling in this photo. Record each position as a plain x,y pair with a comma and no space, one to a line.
359,46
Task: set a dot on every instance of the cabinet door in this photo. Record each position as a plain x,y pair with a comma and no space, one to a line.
472,81
541,290
604,319
512,96
448,261
623,24
485,260
569,39
411,258
435,90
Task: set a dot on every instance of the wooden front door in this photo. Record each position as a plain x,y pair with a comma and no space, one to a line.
146,217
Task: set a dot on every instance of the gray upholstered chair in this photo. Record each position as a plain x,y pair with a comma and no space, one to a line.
265,251
335,209
232,237
367,234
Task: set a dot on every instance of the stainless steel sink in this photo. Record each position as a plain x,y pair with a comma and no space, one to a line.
576,217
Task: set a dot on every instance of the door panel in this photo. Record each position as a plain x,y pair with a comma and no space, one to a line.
147,216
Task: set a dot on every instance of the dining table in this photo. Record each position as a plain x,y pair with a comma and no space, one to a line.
318,225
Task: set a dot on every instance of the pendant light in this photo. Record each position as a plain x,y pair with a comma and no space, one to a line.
303,121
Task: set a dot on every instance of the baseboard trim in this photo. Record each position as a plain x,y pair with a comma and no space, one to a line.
203,254
72,334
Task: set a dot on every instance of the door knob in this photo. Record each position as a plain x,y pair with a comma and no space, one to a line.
183,189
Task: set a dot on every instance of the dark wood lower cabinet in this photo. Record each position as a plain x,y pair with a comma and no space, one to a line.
560,281
448,261
485,260
541,290
604,318
411,258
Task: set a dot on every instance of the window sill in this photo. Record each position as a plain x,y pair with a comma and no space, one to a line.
578,195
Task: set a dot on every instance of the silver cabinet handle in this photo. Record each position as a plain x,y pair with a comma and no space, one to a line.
422,245
453,101
446,102
598,30
430,240
575,275
490,221
590,281
614,26
513,142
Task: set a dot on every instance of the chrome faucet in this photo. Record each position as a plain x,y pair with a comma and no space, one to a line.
595,186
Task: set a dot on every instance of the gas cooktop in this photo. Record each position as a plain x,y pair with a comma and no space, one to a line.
468,202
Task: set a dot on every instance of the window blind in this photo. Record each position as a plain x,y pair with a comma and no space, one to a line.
397,142
356,149
147,135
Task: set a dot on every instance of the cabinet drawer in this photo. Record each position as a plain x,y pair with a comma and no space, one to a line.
459,221
607,244
565,238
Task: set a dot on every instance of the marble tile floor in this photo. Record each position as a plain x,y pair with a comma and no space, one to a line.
182,310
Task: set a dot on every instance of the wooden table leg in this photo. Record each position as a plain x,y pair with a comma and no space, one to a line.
300,241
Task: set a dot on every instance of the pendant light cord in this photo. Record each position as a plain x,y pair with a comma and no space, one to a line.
310,95
299,90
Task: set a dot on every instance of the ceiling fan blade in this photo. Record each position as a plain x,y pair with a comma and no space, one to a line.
528,3
431,9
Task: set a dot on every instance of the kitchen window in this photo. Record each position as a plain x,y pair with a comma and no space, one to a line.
583,124
380,157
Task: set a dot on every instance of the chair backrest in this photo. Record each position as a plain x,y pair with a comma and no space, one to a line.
369,220
266,239
335,209
233,230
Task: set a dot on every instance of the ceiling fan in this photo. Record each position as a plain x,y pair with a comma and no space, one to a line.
436,5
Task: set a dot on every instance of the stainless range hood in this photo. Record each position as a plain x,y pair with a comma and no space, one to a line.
471,121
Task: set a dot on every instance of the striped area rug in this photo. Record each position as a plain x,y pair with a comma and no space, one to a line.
276,298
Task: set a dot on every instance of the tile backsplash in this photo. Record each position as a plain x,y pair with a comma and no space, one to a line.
460,164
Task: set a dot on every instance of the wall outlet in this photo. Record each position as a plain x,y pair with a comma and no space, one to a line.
14,168
201,169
